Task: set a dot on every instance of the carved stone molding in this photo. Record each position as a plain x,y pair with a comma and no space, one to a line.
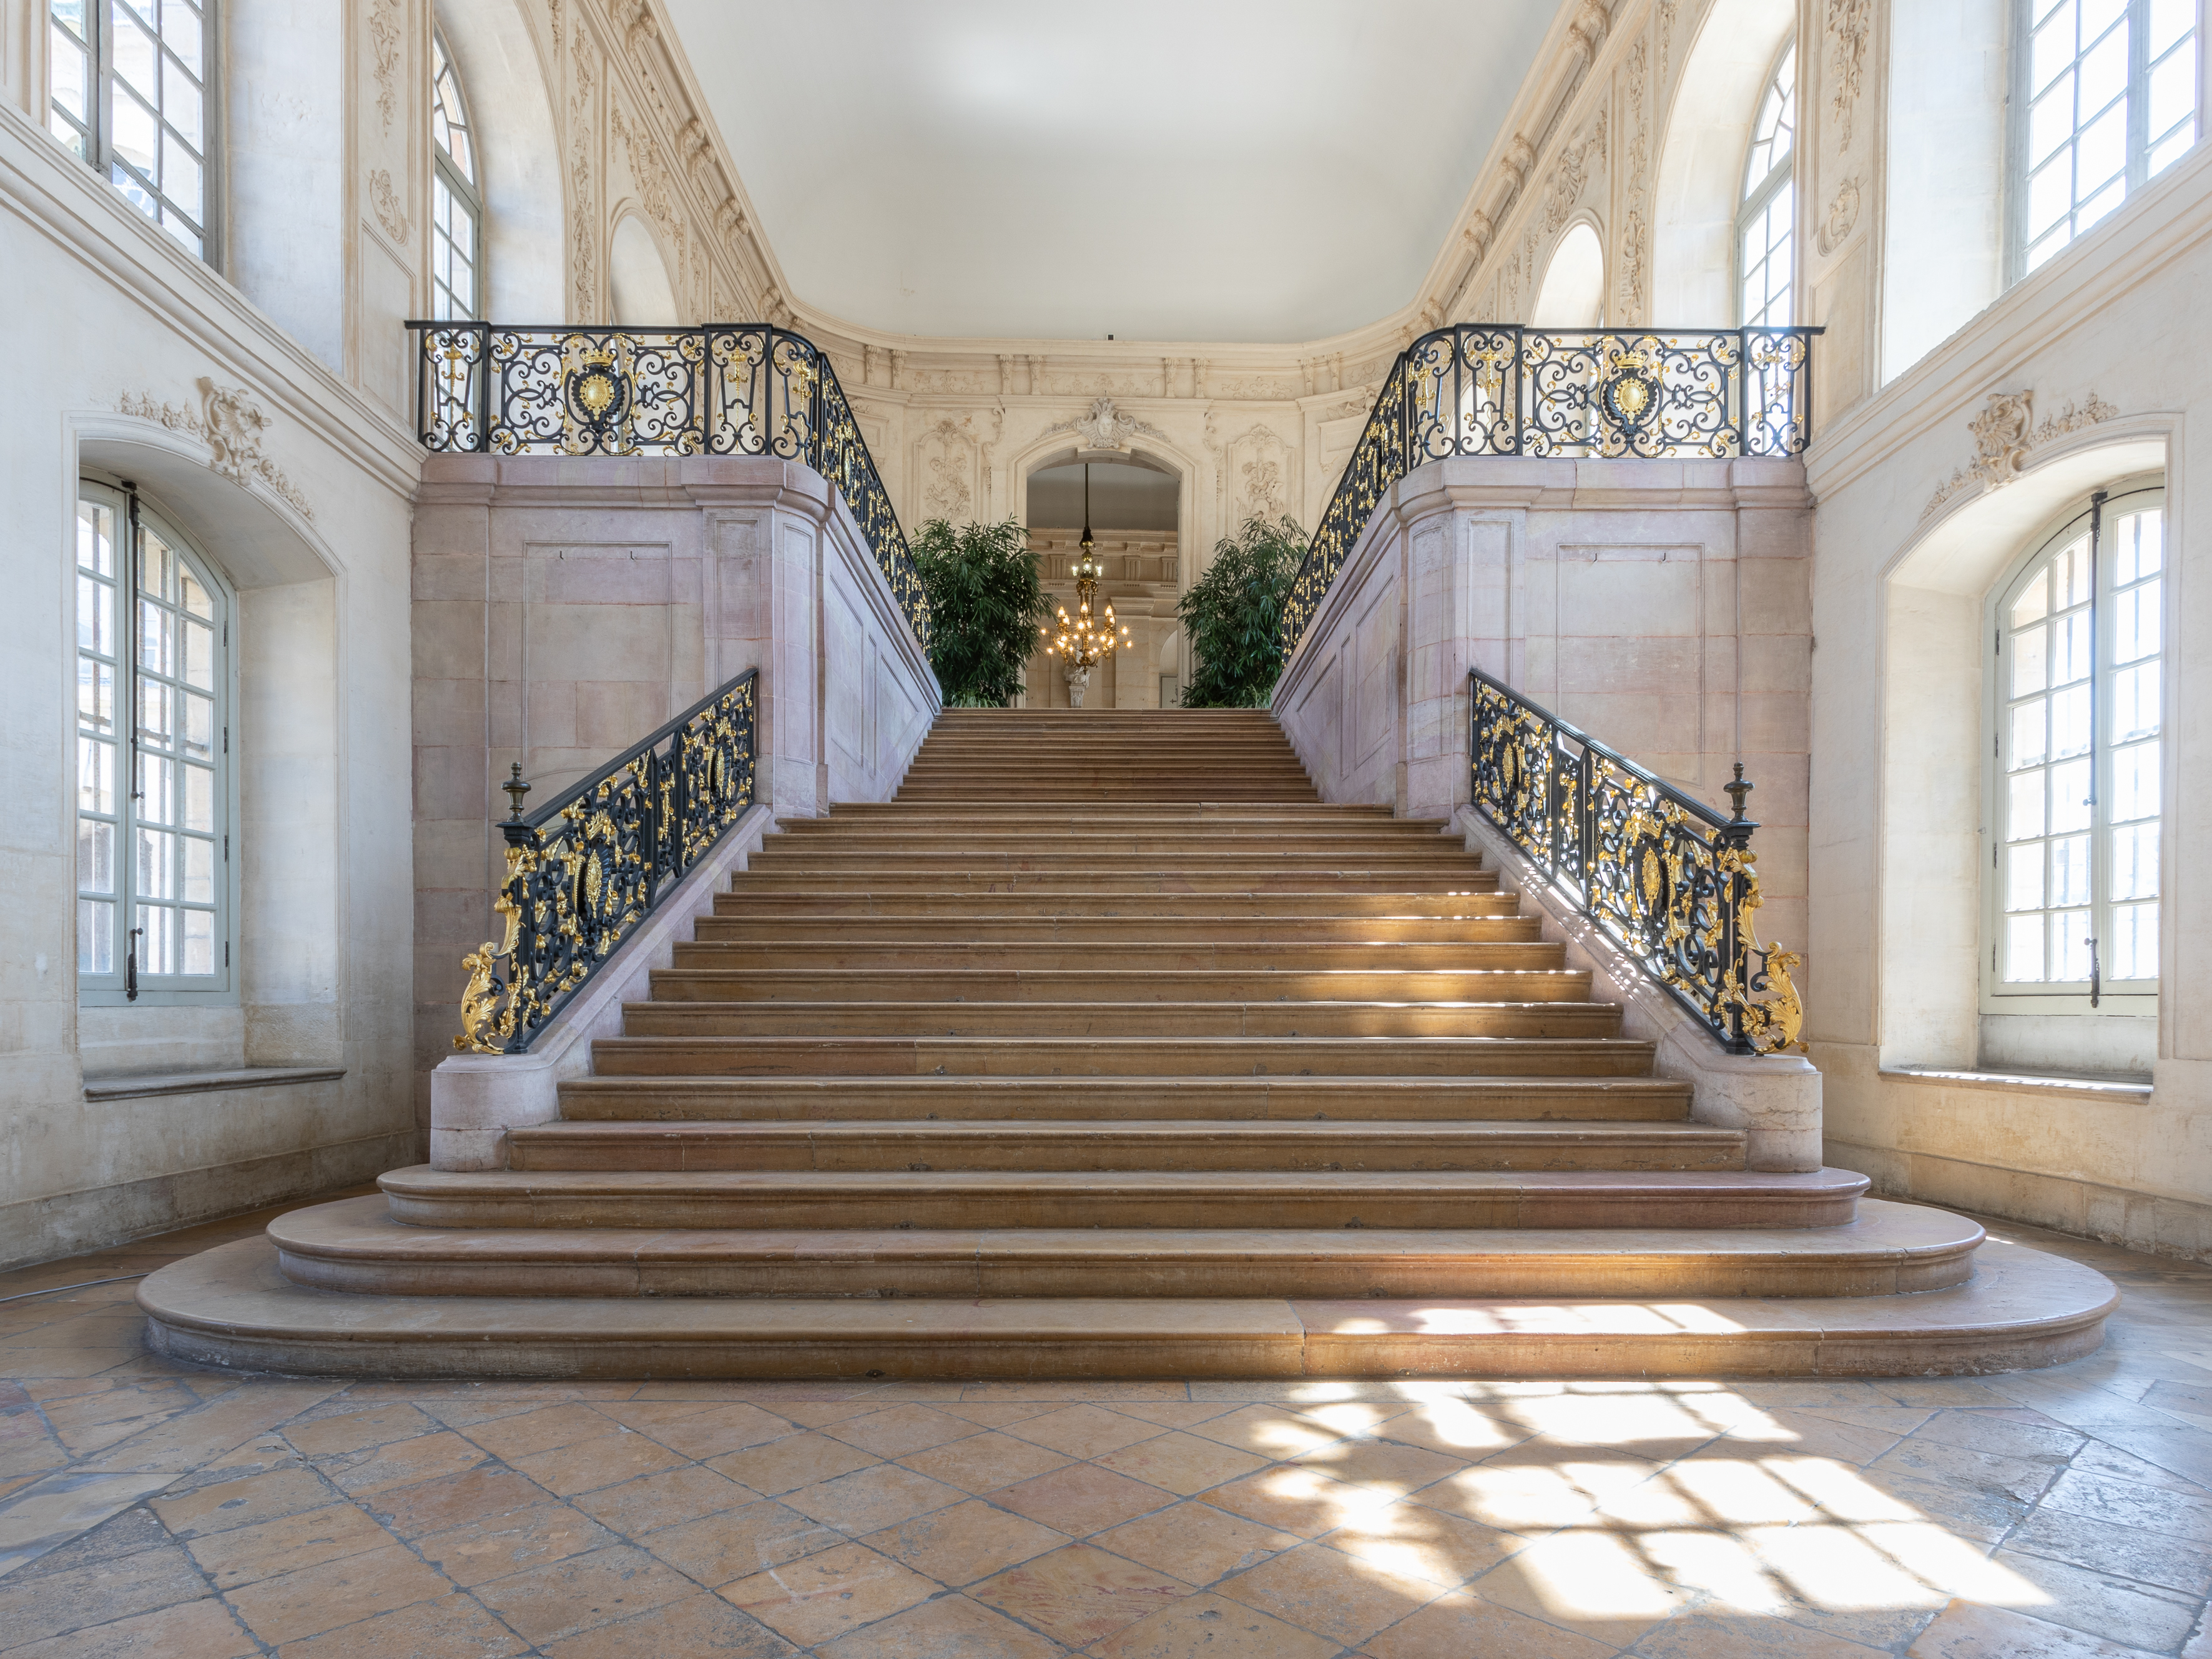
1587,33
386,201
230,423
2004,439
1106,427
1519,158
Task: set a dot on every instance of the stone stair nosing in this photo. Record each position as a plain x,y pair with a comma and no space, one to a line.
232,1308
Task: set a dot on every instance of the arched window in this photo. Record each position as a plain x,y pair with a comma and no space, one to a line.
153,722
456,207
2076,705
2108,92
1766,220
126,90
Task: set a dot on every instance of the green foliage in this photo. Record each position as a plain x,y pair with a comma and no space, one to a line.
986,604
1231,612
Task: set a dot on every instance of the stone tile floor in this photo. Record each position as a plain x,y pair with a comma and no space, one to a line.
149,1509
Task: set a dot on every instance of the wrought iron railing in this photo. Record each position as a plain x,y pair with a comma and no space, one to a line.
1668,879
721,389
584,871
1500,389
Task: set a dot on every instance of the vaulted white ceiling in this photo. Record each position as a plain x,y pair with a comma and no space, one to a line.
1172,170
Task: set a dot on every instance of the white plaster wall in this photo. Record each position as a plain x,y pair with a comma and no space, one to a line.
106,311
1896,812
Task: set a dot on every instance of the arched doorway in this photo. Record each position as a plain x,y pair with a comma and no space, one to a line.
1135,516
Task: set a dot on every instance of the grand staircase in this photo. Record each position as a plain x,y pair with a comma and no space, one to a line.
1107,1049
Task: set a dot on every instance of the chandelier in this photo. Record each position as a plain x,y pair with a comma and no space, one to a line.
1089,636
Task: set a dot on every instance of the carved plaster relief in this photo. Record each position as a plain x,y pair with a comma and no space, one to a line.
1106,427
230,423
1629,255
1850,24
384,34
2003,440
1256,468
944,469
1842,213
386,201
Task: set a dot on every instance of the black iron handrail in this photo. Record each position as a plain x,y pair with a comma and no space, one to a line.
1668,879
719,389
1501,388
585,870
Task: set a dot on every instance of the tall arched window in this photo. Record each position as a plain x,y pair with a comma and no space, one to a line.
127,90
2076,705
2108,89
153,722
1764,224
456,207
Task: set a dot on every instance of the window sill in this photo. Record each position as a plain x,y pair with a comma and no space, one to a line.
206,1083
2115,1089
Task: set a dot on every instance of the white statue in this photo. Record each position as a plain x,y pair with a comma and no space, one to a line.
1078,681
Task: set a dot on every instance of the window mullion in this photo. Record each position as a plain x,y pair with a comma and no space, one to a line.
2102,937
131,570
2138,170
97,29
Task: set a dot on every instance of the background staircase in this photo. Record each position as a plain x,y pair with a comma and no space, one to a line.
1108,1049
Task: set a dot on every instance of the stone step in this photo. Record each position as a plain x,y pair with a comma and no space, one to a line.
1193,813
1136,750
799,904
1123,1099
985,788
1105,1144
354,1245
1371,956
881,1020
885,1200
1195,1056
732,925
1166,843
232,1308
937,986
1195,777
833,858
889,876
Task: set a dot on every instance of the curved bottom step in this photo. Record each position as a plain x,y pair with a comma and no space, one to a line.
232,1307
355,1245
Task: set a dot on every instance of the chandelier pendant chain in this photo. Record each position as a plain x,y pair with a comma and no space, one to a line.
1090,635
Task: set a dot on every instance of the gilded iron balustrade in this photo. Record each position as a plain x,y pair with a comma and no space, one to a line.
1670,881
722,389
584,871
1500,389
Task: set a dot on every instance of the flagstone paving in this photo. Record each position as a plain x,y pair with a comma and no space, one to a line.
151,1509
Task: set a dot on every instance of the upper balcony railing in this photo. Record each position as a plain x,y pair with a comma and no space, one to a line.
1500,389
721,389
